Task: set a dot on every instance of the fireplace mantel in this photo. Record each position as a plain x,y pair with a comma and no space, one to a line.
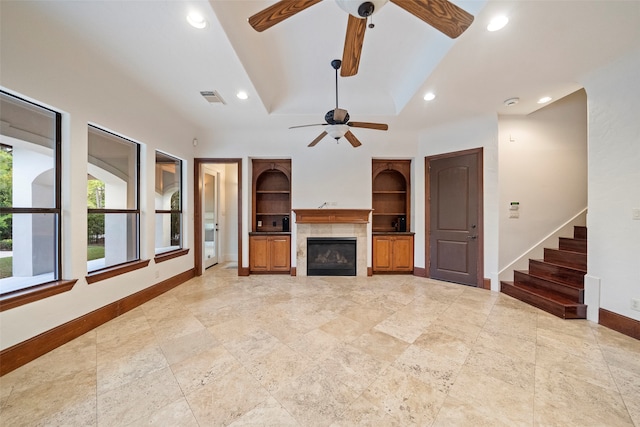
332,216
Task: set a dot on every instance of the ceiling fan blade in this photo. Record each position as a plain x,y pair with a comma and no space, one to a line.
278,12
353,46
352,139
306,126
442,15
377,126
315,141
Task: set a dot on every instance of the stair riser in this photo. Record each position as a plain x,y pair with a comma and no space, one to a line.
568,259
574,245
523,279
579,232
555,272
571,312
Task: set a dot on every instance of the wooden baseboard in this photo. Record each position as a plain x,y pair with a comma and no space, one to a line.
243,271
617,322
26,351
294,272
486,284
419,271
369,271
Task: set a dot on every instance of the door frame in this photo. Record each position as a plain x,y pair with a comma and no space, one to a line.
198,219
480,281
215,175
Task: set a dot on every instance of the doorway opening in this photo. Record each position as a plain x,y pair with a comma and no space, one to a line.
218,213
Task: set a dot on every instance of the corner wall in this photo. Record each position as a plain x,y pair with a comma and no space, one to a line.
614,185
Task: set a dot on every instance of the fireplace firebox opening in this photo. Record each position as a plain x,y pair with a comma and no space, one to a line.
331,256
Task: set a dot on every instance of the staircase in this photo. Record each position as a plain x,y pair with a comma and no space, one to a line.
555,284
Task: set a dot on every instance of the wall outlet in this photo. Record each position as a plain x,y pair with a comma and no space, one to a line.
635,213
635,304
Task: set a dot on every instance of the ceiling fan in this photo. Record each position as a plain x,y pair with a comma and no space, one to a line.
338,122
443,15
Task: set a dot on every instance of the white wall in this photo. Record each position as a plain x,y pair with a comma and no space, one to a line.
458,136
48,66
614,184
543,166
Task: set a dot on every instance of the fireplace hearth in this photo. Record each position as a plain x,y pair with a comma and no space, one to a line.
331,256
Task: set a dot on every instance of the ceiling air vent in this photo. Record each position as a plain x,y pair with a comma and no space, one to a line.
213,97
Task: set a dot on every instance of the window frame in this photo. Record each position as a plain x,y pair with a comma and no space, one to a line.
134,264
46,289
167,255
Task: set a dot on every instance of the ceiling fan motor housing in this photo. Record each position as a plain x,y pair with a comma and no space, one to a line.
330,119
359,8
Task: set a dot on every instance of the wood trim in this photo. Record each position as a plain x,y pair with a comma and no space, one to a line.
26,351
197,231
618,322
332,216
294,271
35,293
486,284
369,271
427,211
116,271
419,271
170,255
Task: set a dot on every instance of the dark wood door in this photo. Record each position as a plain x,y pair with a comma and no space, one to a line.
455,217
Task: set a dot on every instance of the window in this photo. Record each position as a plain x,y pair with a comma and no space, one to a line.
168,197
113,220
30,200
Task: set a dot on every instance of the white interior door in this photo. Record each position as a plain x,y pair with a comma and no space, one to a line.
210,206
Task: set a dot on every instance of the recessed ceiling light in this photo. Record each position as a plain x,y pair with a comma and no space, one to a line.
196,20
497,23
544,100
242,95
429,96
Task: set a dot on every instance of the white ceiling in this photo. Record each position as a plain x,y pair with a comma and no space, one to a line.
546,49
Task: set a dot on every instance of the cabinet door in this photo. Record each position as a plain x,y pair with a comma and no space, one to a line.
280,253
403,253
382,253
258,253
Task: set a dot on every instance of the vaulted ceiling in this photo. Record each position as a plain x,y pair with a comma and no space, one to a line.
545,50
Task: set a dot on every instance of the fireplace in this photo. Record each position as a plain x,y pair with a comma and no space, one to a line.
331,256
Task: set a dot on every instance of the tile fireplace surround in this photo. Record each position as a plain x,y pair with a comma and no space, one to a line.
332,223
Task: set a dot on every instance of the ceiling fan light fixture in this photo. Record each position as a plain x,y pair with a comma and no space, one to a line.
337,131
360,8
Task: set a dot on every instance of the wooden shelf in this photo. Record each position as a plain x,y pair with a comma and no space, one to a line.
271,195
391,189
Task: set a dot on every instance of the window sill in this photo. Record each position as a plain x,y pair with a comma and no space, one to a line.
166,256
110,272
35,293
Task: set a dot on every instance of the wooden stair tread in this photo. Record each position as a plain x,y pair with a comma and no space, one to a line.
551,280
547,301
570,267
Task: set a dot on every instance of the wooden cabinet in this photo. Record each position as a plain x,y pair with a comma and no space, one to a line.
391,188
270,253
271,195
393,253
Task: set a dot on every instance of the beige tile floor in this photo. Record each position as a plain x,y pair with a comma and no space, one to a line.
305,351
